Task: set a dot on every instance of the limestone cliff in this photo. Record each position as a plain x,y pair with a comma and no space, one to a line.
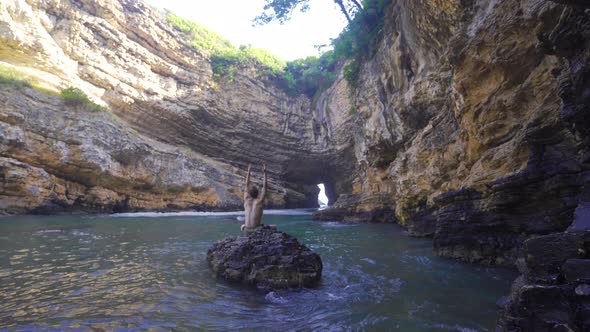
462,127
472,128
176,138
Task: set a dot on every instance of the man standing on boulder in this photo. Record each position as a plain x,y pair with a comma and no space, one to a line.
253,203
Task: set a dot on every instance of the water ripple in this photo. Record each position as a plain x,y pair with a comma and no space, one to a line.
106,273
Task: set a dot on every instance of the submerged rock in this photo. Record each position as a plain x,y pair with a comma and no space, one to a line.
267,258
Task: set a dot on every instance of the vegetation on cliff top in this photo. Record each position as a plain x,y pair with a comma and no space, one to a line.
355,44
223,54
281,10
302,76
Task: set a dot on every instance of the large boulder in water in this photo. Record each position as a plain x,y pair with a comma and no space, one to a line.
267,258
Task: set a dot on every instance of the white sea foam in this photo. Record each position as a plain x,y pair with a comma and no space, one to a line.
336,224
275,298
334,297
45,231
291,212
174,214
442,326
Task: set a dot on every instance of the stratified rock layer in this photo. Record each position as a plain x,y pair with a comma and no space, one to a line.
475,131
57,158
267,258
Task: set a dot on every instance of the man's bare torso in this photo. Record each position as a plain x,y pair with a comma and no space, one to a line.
253,209
254,202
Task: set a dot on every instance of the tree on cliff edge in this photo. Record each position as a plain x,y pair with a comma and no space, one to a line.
281,10
356,43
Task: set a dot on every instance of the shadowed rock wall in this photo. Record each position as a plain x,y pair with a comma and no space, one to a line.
472,128
463,128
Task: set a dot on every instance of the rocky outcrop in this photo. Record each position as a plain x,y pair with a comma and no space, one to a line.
352,208
267,258
554,291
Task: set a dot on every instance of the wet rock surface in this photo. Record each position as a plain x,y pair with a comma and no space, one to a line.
267,258
552,293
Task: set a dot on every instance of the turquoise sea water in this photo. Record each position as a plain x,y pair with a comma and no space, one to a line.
149,272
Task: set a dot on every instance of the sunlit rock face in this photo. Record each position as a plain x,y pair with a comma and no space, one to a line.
58,158
176,138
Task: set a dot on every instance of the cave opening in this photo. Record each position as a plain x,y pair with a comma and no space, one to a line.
322,197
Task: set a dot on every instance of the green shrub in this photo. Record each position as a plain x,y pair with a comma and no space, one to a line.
303,76
76,97
358,41
13,78
355,44
272,63
351,72
308,76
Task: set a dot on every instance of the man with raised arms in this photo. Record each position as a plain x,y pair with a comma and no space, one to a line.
253,203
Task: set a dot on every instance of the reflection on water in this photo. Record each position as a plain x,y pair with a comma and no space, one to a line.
149,272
